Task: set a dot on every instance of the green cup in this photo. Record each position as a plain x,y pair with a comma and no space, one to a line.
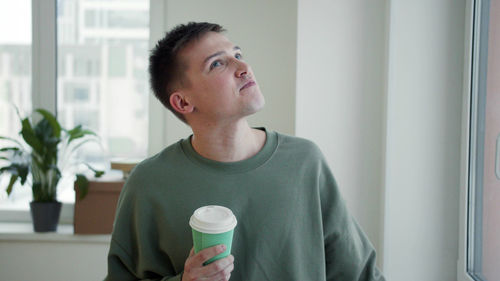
213,225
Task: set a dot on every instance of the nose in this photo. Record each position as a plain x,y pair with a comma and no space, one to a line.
242,69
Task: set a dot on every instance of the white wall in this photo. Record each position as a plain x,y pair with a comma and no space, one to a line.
423,139
267,33
341,74
25,260
379,88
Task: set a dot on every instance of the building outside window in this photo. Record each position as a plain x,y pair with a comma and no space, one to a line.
15,83
102,54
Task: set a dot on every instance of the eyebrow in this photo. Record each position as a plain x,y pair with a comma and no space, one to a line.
219,53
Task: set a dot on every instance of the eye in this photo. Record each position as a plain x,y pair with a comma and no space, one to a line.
215,64
238,56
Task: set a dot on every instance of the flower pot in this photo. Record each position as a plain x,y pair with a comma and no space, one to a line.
45,215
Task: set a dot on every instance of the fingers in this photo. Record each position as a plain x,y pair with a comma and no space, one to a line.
208,253
225,278
218,270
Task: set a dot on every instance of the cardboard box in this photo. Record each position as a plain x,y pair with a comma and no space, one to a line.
96,212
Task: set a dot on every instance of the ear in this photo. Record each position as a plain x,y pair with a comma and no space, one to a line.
181,103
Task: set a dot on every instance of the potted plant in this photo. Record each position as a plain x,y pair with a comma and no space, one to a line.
40,157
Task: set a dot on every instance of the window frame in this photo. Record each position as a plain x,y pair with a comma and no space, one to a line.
44,83
472,80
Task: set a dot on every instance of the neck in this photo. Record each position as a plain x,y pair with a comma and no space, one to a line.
228,143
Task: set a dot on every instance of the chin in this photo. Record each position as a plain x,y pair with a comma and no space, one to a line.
256,107
259,100
261,105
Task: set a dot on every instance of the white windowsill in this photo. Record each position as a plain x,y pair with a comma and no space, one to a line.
15,231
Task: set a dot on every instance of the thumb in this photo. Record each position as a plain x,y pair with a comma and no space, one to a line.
191,253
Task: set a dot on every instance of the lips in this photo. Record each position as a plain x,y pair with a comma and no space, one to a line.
250,83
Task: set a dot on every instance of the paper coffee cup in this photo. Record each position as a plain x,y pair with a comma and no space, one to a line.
213,225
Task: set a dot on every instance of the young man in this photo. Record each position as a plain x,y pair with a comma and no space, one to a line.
292,221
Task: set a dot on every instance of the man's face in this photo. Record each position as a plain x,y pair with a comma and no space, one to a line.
222,87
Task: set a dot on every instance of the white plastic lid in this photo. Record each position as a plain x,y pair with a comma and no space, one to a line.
213,219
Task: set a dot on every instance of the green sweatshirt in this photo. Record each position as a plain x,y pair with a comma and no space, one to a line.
292,222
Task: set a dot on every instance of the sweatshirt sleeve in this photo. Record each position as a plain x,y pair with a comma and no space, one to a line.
134,250
121,267
349,254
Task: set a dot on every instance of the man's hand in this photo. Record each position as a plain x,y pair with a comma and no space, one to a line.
219,270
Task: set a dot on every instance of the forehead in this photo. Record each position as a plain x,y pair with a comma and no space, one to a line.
198,50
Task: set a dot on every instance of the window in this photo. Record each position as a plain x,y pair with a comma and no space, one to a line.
127,19
15,82
482,199
102,48
103,52
106,50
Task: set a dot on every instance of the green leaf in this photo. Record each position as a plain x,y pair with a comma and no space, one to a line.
15,152
9,149
43,131
11,169
97,173
56,169
18,114
38,194
82,183
20,170
56,127
13,179
74,133
77,132
30,137
24,174
11,139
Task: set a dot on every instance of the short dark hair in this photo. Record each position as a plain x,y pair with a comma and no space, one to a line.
165,69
